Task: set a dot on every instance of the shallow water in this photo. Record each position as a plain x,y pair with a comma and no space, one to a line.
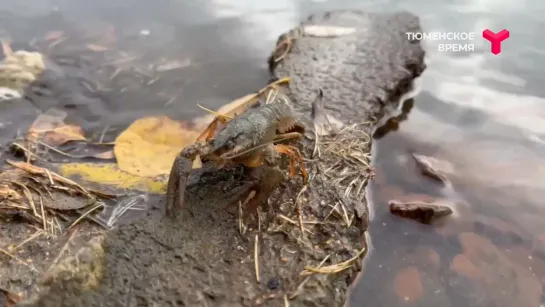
482,113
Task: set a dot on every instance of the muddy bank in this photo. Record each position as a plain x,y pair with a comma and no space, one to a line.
206,256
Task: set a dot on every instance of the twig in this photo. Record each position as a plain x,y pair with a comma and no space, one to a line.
5,252
345,215
12,205
334,268
27,151
49,176
302,284
25,241
256,257
316,144
287,219
43,213
333,209
29,197
240,222
57,224
258,219
63,249
103,134
55,149
299,209
120,210
84,215
41,171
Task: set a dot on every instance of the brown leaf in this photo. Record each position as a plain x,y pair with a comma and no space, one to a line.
48,174
148,147
11,299
51,129
53,35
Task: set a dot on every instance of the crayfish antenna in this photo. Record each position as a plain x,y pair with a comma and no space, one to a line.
218,114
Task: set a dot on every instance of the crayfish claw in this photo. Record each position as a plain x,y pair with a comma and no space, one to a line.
177,183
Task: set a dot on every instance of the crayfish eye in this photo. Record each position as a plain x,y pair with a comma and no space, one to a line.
230,144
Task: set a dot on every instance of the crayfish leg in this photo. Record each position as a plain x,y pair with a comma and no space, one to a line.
295,156
263,182
255,160
288,136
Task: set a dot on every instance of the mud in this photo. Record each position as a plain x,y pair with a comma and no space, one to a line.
205,257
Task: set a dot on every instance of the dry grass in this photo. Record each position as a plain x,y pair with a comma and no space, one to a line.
256,257
21,261
33,193
301,286
34,187
348,159
334,268
344,160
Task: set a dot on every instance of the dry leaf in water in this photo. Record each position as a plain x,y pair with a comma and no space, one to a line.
7,93
53,35
51,129
52,176
149,145
105,155
96,48
328,31
111,175
172,65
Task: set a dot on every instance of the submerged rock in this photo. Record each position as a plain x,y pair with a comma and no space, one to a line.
489,269
423,212
434,168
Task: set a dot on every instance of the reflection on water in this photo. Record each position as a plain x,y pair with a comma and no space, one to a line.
482,113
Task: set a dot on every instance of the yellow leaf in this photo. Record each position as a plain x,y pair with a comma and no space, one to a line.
149,145
110,174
